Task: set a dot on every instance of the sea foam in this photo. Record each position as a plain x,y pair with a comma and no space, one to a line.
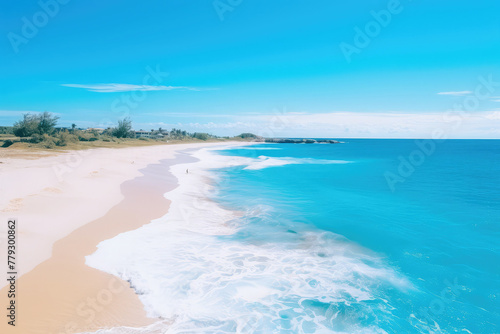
193,270
264,162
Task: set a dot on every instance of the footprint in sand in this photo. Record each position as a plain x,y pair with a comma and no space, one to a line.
14,205
53,190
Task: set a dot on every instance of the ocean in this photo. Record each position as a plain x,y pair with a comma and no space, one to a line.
367,236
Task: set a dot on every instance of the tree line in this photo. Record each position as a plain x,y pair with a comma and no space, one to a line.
41,128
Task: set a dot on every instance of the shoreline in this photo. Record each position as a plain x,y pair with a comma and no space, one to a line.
191,213
53,195
48,298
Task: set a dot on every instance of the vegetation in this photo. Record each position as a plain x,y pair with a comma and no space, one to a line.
124,129
46,123
201,135
40,130
35,125
247,135
6,130
26,127
64,138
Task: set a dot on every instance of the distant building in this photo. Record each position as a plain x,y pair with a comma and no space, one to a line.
157,136
99,130
142,134
149,134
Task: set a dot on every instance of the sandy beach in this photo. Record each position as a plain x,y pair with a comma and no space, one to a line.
65,204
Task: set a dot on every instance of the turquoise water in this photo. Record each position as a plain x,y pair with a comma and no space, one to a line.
435,230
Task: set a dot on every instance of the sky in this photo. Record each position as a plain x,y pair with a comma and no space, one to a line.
316,68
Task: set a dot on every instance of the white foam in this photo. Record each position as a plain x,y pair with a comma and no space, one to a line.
264,162
256,148
190,269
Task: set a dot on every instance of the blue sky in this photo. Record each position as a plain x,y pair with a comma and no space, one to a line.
275,67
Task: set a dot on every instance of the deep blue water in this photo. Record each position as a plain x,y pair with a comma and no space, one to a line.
434,224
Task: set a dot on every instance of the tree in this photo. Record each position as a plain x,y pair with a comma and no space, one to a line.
124,128
7,130
247,135
26,127
46,123
73,127
201,135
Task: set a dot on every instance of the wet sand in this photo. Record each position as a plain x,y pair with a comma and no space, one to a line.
62,294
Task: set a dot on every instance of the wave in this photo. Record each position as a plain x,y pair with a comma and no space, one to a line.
256,148
264,162
201,270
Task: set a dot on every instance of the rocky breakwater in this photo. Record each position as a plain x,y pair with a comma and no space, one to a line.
300,141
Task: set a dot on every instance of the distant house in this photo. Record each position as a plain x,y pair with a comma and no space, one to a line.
98,130
142,134
62,129
157,136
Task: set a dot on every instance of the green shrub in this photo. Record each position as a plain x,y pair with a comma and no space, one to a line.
201,135
64,137
124,129
7,130
143,138
7,143
247,135
27,126
83,137
48,141
43,123
37,138
45,140
50,144
47,123
86,136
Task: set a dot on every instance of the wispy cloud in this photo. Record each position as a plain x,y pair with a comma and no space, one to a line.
16,113
461,93
495,98
360,125
117,88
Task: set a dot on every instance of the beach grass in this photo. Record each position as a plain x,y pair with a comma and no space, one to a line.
25,149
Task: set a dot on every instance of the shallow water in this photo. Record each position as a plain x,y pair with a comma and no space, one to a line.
287,238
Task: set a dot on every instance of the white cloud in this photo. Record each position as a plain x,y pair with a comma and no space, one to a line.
15,113
495,115
115,88
461,93
356,125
